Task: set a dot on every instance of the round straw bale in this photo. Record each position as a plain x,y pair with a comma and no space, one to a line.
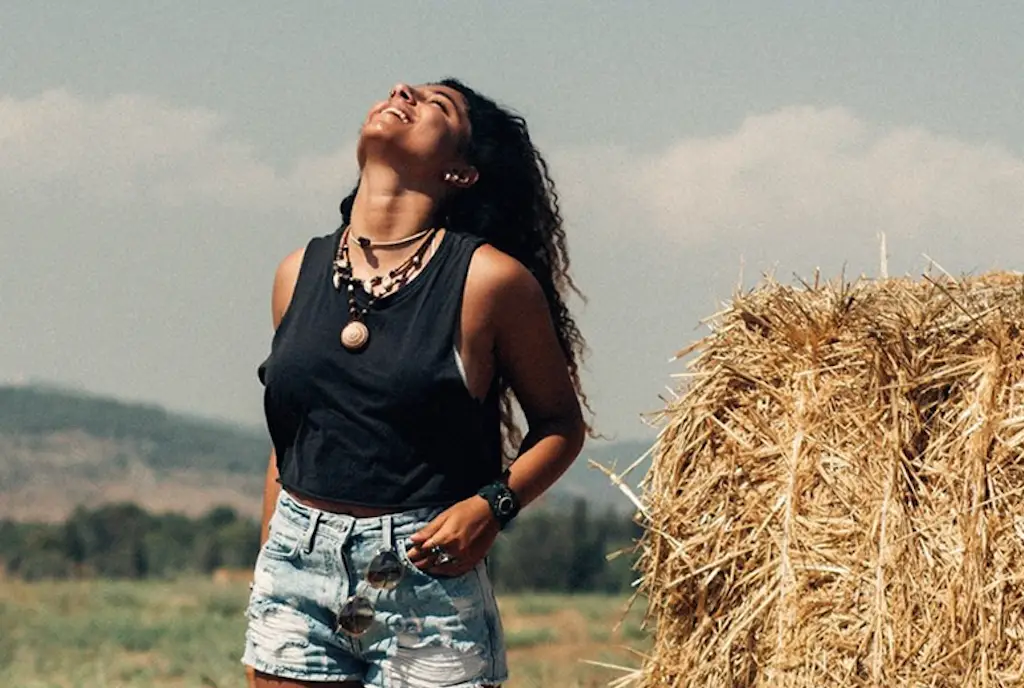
837,492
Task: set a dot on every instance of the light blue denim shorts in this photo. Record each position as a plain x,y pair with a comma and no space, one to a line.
426,632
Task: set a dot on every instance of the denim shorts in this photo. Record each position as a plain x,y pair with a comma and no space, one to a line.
427,631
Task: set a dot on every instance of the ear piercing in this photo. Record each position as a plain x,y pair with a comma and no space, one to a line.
452,177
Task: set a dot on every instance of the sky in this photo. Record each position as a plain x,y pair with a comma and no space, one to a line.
157,160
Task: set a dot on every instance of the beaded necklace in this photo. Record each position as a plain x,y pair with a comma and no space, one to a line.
355,335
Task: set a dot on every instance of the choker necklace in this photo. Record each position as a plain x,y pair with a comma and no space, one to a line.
366,242
355,335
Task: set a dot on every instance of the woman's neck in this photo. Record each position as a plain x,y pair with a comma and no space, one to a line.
386,208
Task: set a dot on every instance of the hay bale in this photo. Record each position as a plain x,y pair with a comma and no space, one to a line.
836,495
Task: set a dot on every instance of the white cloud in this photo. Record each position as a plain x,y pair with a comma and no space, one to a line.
140,148
804,170
795,172
804,185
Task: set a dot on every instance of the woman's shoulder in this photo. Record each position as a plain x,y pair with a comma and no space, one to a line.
290,268
285,278
495,275
291,265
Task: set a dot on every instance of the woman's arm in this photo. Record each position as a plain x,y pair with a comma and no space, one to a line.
512,311
284,286
529,356
271,489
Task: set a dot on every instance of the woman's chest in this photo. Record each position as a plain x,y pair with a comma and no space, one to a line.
403,363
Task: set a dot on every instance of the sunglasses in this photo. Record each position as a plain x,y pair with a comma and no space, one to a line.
384,573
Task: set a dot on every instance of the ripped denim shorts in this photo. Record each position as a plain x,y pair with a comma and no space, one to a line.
425,631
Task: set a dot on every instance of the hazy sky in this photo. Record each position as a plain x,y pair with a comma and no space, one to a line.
158,159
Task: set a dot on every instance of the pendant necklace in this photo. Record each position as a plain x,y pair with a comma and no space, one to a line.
355,335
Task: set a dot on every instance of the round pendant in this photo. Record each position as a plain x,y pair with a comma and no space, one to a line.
354,335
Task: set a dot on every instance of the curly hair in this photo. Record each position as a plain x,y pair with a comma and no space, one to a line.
514,207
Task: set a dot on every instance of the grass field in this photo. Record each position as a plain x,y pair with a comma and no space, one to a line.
188,633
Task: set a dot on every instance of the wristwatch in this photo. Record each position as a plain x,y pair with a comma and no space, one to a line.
502,500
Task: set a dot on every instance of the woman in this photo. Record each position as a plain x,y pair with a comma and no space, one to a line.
400,341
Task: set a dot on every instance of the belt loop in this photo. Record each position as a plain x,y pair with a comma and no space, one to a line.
307,537
387,534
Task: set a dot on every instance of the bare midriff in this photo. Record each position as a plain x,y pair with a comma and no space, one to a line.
354,510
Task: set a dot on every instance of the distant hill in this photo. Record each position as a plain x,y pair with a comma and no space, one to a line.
60,449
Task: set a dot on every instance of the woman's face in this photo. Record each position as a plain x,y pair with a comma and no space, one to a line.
420,127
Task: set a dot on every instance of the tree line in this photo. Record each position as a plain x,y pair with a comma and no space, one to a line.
557,549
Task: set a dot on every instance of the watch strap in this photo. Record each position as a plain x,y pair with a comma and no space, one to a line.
502,500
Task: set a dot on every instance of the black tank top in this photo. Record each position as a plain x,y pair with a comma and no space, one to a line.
393,425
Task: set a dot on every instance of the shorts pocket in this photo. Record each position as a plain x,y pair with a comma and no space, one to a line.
403,545
453,585
402,548
452,607
282,543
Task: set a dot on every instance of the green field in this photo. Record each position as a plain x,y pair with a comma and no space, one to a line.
100,634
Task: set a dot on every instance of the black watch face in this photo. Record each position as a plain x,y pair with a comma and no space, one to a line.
505,505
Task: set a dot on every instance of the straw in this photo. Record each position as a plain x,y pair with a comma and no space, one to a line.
837,492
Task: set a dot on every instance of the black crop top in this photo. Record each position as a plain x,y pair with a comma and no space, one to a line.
393,425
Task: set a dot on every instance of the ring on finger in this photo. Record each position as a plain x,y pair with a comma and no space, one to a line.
441,557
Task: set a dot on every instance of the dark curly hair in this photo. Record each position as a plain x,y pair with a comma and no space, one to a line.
514,207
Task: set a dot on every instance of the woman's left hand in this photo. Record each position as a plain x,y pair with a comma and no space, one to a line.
465,531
